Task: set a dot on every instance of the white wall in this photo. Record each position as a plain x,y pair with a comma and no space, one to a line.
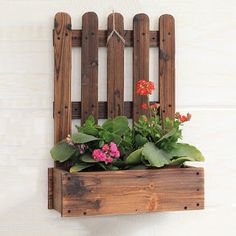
206,81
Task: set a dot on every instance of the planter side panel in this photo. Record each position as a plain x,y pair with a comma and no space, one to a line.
132,191
57,189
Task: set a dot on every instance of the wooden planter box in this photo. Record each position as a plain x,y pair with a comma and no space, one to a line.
126,192
116,192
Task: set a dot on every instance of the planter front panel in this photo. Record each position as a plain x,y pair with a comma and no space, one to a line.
130,191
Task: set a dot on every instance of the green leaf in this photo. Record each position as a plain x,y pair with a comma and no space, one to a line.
167,135
134,158
106,136
90,121
62,151
101,143
140,140
118,163
186,150
79,167
90,131
180,160
120,124
87,158
116,139
138,167
103,166
83,138
108,125
114,168
155,156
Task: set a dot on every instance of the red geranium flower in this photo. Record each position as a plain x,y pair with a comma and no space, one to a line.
183,118
144,106
154,106
145,87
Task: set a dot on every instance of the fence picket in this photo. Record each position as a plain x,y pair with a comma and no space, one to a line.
167,66
62,76
140,60
115,67
89,66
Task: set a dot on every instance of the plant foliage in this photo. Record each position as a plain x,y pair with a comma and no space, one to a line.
113,145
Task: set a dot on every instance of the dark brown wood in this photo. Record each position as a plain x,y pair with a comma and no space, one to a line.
58,189
140,61
102,108
130,191
62,76
116,192
102,38
50,188
115,67
167,66
89,66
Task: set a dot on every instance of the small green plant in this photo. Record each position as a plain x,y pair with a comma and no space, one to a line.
151,143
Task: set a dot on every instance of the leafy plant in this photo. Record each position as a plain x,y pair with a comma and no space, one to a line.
151,143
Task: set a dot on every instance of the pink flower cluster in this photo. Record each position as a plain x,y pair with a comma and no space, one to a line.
107,153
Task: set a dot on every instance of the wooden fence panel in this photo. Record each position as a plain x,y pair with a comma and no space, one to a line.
90,38
167,66
89,66
115,66
140,60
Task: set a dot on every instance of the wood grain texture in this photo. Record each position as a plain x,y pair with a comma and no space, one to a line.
57,189
62,76
89,66
131,191
102,38
50,188
167,66
27,75
140,61
102,109
115,67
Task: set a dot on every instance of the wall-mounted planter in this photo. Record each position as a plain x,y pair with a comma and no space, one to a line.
116,192
127,192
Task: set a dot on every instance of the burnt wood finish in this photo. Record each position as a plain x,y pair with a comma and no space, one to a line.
57,189
116,192
62,76
115,67
102,38
89,66
102,110
50,188
130,191
140,61
167,66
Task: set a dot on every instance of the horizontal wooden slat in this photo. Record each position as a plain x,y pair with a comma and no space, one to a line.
132,191
102,109
102,38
